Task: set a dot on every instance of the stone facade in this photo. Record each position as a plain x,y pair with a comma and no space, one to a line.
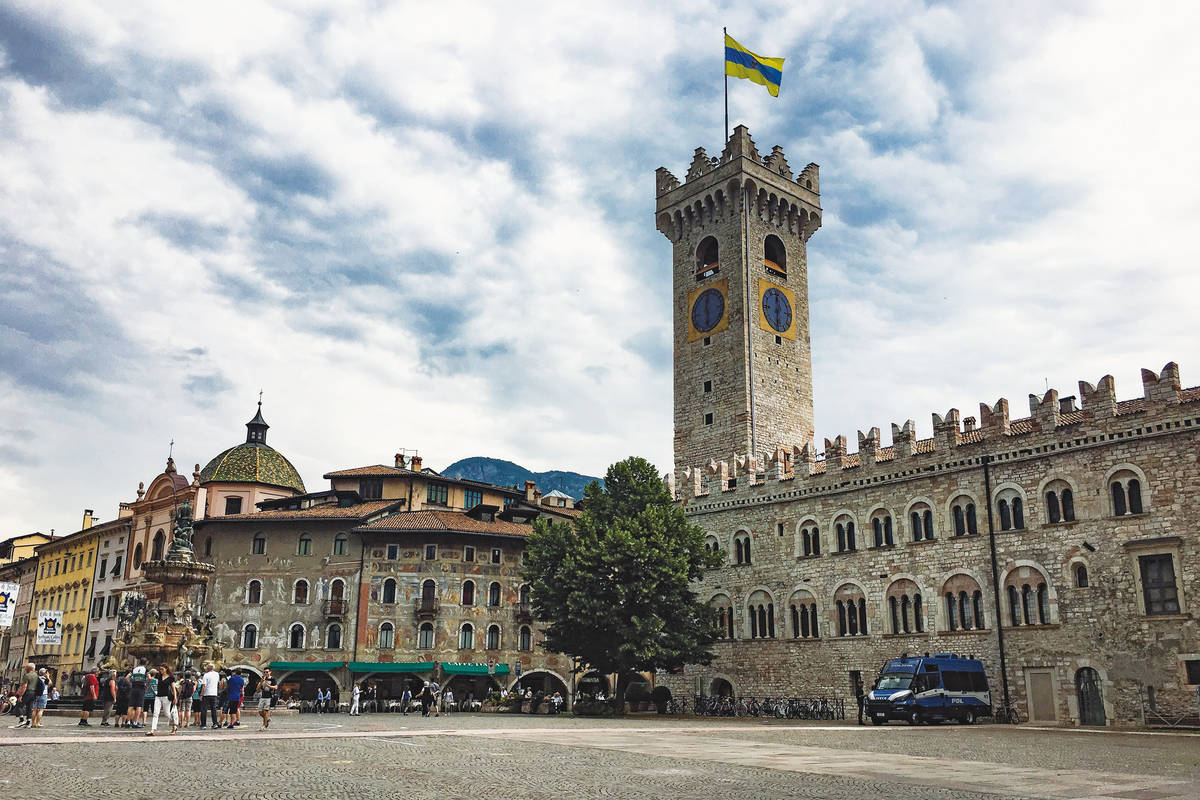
1095,569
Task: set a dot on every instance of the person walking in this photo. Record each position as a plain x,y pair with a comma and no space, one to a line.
354,700
43,699
30,687
859,696
426,699
234,687
266,696
210,684
91,693
165,697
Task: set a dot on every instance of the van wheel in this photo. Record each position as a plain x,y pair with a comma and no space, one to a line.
969,718
914,718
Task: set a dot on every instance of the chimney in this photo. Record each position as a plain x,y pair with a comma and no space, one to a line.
530,491
969,424
399,461
415,463
87,519
1066,404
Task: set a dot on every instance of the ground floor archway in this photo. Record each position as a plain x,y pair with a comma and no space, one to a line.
303,685
593,683
720,687
1091,701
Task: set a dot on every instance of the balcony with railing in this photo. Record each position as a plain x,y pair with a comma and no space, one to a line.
523,612
334,607
426,607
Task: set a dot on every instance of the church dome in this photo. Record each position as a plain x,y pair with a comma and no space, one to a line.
253,461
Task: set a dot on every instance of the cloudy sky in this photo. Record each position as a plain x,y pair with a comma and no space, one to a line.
431,226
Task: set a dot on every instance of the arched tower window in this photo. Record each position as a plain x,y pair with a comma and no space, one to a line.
707,258
776,256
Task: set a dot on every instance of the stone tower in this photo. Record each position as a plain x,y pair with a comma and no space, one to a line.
740,225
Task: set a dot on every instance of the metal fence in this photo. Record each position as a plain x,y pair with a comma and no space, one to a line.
780,707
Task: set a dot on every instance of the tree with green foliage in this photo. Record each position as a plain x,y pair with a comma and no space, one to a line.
614,588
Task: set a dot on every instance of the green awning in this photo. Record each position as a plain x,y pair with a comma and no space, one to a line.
292,666
472,669
392,666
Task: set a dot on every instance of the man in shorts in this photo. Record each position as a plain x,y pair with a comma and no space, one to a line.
266,695
30,686
91,693
233,705
187,687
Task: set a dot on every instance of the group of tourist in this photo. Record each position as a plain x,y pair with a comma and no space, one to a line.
208,698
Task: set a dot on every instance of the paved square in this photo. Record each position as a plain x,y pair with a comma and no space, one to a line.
511,756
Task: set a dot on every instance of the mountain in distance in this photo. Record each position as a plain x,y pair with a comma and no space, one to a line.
506,473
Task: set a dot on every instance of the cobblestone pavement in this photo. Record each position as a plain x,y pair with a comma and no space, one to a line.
510,756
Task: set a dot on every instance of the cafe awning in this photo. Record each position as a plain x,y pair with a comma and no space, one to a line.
473,669
392,666
295,666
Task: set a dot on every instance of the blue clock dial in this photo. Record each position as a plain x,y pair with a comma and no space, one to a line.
777,310
708,310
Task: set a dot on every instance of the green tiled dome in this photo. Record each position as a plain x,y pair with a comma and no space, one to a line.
252,463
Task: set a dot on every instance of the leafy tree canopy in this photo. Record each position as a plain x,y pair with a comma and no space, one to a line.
614,588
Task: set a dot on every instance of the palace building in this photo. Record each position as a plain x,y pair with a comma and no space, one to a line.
1056,547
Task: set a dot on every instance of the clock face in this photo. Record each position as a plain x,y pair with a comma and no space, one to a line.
708,310
777,310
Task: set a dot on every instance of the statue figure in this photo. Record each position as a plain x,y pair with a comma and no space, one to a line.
181,544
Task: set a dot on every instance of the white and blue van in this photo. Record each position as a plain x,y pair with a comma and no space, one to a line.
930,689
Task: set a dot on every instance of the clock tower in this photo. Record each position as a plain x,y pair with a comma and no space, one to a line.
739,227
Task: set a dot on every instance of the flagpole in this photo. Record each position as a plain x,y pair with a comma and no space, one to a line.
725,31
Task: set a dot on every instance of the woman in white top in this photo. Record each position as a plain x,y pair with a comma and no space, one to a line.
354,701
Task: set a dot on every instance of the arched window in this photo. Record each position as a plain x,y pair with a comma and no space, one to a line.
810,541
862,617
881,526
333,637
894,609
493,637
851,610
425,636
160,540
1081,576
468,593
389,592
304,546
1043,604
918,614
523,594
1014,606
724,609
845,534
494,594
466,637
428,594
776,255
337,589
1010,508
300,592
920,522
258,545
525,641
963,511
254,593
387,635
712,545
977,603
762,616
341,544
1028,594
1060,502
803,608
249,637
296,637
137,556
904,606
1005,515
707,257
963,603
1126,490
741,547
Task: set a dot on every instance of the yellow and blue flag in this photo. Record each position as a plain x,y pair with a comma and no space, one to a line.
741,63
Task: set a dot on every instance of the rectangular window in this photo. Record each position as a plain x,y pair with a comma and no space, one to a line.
1158,584
233,505
393,552
431,552
495,555
113,600
468,553
707,387
370,488
437,494
779,527
473,498
103,567
1192,667
708,418
508,501
117,566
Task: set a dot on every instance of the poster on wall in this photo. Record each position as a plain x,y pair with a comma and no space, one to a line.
49,627
8,603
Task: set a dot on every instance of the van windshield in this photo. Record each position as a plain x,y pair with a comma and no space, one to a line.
895,680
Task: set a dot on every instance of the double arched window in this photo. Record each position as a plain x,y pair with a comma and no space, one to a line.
920,522
300,592
387,636
844,526
741,547
1060,502
724,608
963,512
963,603
881,527
1010,509
254,593
1028,597
810,541
1126,490
851,607
762,616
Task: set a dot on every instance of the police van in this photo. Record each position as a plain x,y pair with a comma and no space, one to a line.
930,689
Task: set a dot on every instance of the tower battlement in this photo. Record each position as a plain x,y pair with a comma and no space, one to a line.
1054,424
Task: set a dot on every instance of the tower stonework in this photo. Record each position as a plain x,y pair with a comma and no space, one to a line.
739,226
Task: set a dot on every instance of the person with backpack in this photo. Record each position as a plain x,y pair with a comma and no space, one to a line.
108,697
137,695
31,688
122,706
43,699
187,687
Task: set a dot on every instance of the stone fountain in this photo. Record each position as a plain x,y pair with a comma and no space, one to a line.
169,632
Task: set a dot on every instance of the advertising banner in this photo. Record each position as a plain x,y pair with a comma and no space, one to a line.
49,627
8,603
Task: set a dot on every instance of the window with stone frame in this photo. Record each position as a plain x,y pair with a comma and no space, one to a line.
844,528
494,594
724,609
387,635
920,522
741,547
254,593
333,637
851,608
296,637
711,544
962,511
1028,595
388,595
250,637
258,545
1160,592
1080,573
1010,510
466,637
963,603
233,505
906,607
425,636
810,540
300,592
881,528
1125,492
1060,502
525,639
493,637
761,612
803,609
468,593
